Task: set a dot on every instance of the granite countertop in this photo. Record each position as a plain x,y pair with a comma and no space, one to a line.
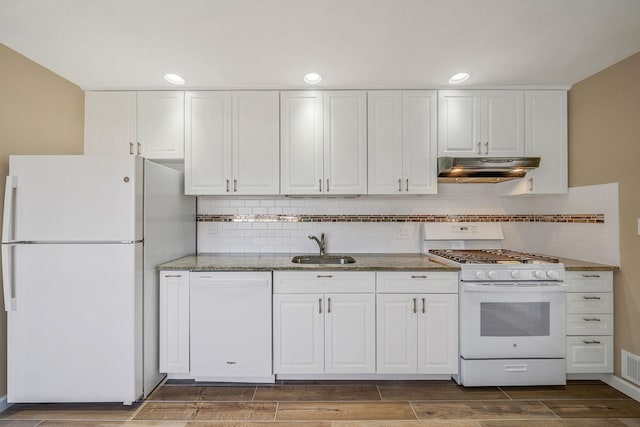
376,262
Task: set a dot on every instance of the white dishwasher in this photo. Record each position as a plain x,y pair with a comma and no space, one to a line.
230,326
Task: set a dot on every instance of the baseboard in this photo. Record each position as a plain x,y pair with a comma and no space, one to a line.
630,389
3,403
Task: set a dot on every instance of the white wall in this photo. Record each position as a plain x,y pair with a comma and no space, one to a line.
590,242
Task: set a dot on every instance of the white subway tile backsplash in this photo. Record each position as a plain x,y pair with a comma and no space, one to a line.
591,242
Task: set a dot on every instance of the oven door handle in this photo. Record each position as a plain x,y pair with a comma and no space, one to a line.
514,288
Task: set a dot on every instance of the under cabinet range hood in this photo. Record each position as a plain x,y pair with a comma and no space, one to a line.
484,169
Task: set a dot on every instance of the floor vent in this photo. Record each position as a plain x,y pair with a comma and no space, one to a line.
631,367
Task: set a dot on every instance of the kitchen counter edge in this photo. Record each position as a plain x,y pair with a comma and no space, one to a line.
364,262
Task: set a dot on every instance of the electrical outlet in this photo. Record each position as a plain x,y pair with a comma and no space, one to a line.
403,234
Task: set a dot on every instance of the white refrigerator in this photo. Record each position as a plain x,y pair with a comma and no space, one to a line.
81,237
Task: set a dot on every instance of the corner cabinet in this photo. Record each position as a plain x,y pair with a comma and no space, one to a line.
476,123
417,323
148,123
589,322
232,143
323,142
402,143
324,322
545,137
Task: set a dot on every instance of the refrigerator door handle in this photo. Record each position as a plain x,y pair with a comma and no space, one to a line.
9,196
10,301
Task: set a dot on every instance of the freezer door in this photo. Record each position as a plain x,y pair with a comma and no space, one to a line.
75,198
76,333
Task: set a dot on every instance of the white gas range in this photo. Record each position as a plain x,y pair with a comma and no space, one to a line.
511,307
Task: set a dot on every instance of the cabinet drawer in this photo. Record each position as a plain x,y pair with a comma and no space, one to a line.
309,282
589,281
589,354
590,324
589,303
431,282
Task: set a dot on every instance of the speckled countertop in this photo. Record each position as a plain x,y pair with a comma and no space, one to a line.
379,262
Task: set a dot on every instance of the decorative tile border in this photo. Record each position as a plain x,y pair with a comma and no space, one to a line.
558,218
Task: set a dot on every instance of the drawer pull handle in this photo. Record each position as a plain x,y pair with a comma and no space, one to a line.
319,305
424,305
591,342
418,277
173,275
328,305
415,305
591,276
591,319
592,298
325,276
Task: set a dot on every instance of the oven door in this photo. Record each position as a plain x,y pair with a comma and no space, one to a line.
512,320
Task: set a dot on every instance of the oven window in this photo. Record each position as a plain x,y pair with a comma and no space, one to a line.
514,319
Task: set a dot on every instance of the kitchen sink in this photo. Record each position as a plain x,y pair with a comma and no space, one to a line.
322,259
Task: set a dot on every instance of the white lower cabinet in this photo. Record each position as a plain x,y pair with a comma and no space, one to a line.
417,333
589,322
324,322
216,326
174,321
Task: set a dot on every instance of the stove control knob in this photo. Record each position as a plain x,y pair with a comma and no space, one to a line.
553,274
493,275
515,274
540,274
481,275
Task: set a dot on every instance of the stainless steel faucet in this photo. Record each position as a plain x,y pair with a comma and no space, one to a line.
321,243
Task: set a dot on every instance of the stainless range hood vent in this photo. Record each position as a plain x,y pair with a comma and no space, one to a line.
484,169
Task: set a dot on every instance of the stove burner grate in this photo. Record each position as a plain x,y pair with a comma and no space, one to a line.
492,256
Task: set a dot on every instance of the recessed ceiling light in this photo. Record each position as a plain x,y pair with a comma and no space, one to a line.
458,78
174,79
312,78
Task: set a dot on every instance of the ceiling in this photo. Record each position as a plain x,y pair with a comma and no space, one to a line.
124,44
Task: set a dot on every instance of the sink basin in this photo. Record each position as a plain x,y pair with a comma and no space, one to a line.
322,259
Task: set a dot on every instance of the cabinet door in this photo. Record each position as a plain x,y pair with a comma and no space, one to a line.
298,334
545,134
207,161
396,334
174,321
419,155
161,124
345,142
459,123
230,325
110,123
350,336
301,142
437,334
503,121
256,142
385,142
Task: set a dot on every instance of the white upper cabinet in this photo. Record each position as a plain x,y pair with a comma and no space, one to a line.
161,124
147,123
473,123
110,123
232,143
545,137
323,142
402,142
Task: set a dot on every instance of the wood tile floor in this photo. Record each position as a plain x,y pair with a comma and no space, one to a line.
347,404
